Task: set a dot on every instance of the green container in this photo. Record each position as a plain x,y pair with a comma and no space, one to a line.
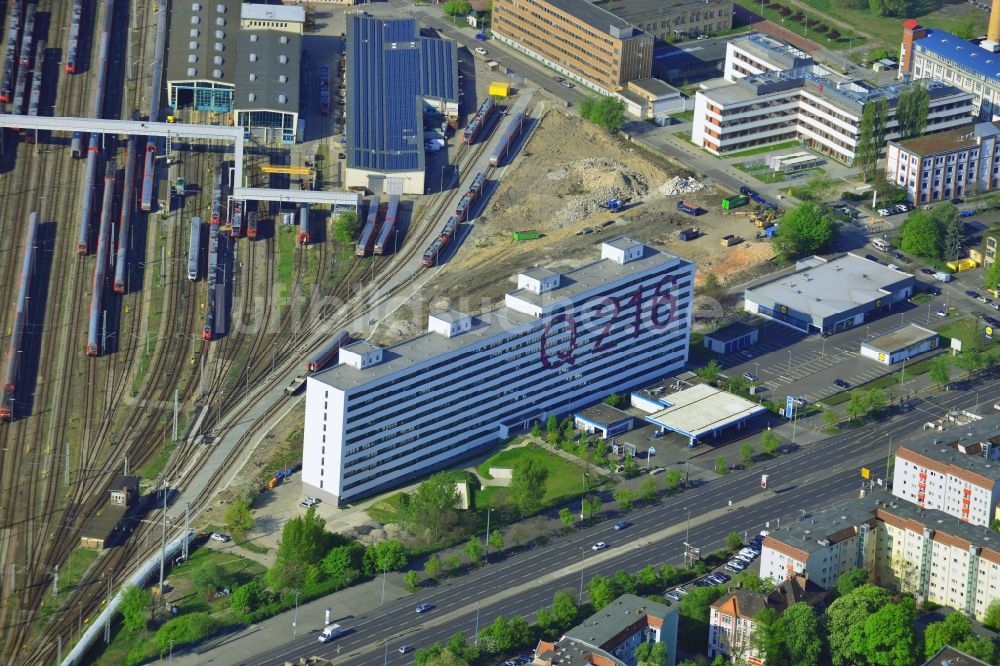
526,235
735,201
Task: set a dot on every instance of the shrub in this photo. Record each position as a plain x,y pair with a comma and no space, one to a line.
833,34
185,629
820,28
784,11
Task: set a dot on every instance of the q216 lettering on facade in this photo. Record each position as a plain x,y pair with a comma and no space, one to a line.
606,314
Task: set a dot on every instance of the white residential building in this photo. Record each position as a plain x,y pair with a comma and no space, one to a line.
779,96
385,416
955,472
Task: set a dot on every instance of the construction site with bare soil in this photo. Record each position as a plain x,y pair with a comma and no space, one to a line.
565,192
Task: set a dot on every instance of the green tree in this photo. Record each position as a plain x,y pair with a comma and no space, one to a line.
887,635
711,286
248,598
210,577
616,400
970,360
601,592
625,498
551,424
630,468
753,582
720,465
646,492
802,631
564,610
806,229
545,622
134,603
980,647
734,541
911,110
940,372
496,540
527,485
347,228
769,442
875,400
591,506
651,654
673,479
344,563
452,563
473,549
536,431
647,580
566,517
922,235
608,113
991,279
238,518
857,406
504,635
952,630
432,567
586,107
456,8
385,556
871,133
411,580
694,613
845,619
992,618
709,372
851,580
952,250
432,510
304,541
889,7
746,454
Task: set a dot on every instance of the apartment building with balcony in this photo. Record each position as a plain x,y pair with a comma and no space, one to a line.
957,472
768,104
385,416
578,39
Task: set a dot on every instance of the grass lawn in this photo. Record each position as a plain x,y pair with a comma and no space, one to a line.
921,298
185,594
565,478
762,149
889,30
968,330
386,508
684,116
813,19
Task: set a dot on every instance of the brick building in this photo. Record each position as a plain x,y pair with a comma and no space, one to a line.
580,40
664,19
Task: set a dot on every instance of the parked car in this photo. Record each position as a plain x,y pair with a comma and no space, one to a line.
971,294
983,299
941,313
927,271
734,563
216,536
933,291
681,590
749,376
673,595
957,200
424,607
600,545
995,306
872,257
721,577
884,212
622,524
566,84
841,383
704,582
481,51
558,79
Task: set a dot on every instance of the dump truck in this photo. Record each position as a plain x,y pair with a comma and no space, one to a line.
735,201
689,208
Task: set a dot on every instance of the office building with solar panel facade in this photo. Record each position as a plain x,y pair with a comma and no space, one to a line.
393,74
388,415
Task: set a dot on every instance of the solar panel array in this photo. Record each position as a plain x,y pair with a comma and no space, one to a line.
389,68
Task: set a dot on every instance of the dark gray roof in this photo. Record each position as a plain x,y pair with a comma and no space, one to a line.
607,624
732,332
271,80
203,41
389,69
638,11
594,16
946,447
604,415
949,656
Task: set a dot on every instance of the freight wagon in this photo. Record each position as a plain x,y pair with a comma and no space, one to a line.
128,201
76,145
477,185
305,235
148,170
463,208
10,59
252,225
479,120
236,224
12,366
93,347
74,37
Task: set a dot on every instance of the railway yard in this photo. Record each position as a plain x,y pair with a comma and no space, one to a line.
144,326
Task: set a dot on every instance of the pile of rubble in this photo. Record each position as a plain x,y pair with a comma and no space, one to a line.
594,182
680,185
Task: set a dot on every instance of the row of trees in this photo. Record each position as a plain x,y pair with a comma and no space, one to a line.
866,625
934,233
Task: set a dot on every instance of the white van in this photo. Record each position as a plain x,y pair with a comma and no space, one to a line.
330,633
881,244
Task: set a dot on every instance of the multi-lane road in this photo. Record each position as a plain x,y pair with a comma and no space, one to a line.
800,484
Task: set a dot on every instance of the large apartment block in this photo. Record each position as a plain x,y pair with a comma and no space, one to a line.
949,164
957,472
925,552
582,41
769,104
560,341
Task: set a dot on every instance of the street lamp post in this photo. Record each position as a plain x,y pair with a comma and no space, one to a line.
583,557
687,535
487,549
295,617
